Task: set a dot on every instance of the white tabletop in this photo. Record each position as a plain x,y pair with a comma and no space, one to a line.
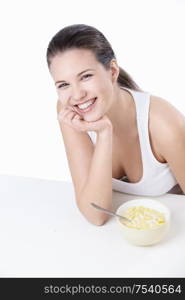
43,234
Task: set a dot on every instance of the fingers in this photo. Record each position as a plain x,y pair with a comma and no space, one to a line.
76,117
68,116
80,124
64,115
76,121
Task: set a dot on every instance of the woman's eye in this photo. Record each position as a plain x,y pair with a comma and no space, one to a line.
64,84
87,75
61,85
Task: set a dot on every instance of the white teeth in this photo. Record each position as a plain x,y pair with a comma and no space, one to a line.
85,105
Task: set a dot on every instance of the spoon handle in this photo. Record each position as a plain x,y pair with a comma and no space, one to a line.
109,212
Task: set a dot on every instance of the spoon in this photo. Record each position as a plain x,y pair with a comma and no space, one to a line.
110,212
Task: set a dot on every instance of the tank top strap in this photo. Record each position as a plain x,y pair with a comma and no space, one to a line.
142,105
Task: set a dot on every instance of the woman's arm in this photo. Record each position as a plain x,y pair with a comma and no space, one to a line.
90,166
169,130
98,186
173,150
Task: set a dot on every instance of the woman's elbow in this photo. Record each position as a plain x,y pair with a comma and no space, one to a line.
95,218
100,222
99,219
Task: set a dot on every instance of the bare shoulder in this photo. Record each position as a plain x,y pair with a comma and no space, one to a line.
168,127
162,110
166,122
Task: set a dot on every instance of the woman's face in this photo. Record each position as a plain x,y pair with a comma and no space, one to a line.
79,77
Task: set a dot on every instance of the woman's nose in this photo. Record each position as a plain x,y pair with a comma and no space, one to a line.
77,94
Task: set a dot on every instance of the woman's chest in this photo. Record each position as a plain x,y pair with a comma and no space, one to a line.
127,159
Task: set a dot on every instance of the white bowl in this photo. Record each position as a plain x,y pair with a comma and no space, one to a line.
145,237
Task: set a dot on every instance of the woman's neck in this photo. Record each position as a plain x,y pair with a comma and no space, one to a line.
121,112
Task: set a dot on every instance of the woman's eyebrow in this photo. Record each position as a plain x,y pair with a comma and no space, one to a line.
58,81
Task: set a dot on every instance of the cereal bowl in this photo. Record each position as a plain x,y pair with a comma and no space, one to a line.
150,221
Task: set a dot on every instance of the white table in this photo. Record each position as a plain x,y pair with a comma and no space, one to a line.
43,234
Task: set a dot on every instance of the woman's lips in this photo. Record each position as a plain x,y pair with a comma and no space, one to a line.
89,108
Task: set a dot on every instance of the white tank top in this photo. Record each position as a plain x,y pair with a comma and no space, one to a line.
157,177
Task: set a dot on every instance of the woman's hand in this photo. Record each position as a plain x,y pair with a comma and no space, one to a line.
73,119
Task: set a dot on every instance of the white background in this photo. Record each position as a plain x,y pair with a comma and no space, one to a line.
146,35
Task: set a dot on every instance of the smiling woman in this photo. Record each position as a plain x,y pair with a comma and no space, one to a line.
116,135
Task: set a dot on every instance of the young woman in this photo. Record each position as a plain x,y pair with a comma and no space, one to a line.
116,135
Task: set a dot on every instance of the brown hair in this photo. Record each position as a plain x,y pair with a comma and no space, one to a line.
88,37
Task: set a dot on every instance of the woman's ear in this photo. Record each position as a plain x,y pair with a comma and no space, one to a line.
114,70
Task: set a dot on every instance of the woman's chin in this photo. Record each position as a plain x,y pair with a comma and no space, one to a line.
91,118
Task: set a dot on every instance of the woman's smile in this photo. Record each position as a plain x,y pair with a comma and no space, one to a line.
86,107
